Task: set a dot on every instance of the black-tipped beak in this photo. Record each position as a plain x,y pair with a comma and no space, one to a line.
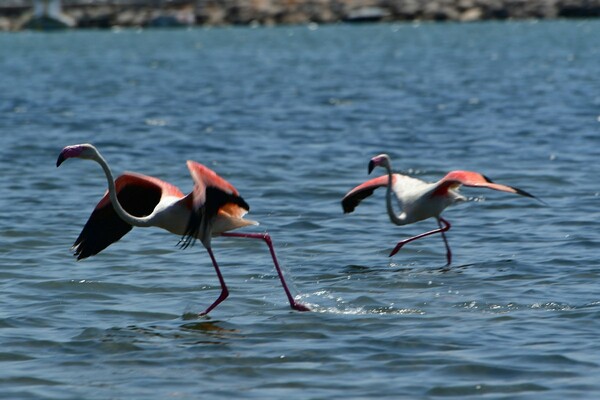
60,160
371,166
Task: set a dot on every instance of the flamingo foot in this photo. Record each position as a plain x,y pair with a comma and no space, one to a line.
398,247
299,306
449,258
224,294
267,238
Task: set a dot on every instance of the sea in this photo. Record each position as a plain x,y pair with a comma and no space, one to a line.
291,116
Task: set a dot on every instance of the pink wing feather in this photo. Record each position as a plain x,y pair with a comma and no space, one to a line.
353,198
212,196
139,180
472,179
205,177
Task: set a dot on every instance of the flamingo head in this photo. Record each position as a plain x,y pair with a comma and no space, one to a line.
379,161
85,151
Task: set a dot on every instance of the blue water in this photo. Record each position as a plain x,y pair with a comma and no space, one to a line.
291,117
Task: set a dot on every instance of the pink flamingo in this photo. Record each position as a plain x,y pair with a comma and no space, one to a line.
213,208
419,200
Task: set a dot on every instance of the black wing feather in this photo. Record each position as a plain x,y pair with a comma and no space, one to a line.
105,227
351,202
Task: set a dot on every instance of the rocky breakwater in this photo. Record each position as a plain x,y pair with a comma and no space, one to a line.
140,13
329,11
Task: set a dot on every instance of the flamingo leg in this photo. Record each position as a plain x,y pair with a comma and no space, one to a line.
267,238
441,230
224,290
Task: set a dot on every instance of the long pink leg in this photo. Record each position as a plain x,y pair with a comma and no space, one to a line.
267,238
441,230
224,290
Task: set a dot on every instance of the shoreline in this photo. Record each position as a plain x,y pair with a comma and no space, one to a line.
17,15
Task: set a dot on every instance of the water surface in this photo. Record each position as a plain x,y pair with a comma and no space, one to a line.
291,116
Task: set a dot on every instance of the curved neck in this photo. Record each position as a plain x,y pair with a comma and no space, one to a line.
388,197
112,192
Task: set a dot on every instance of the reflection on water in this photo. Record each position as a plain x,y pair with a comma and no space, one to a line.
209,328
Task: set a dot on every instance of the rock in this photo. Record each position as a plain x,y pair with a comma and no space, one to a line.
472,14
367,14
5,24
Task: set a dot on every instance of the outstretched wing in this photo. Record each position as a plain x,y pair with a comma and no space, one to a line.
353,198
138,194
467,178
212,195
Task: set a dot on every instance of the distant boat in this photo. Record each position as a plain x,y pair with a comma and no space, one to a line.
48,15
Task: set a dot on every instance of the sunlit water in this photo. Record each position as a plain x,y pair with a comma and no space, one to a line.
291,117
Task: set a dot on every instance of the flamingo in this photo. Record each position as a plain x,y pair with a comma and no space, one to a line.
419,200
213,208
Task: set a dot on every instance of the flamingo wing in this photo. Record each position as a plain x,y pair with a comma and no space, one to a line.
138,194
473,179
353,198
212,196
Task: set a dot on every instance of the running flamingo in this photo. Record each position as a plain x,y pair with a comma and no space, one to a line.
419,200
213,208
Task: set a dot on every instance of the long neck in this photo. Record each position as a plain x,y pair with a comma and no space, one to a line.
112,192
388,197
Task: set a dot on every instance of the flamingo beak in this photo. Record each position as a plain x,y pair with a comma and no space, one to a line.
372,166
78,150
61,158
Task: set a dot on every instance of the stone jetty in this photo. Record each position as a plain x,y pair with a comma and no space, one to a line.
15,14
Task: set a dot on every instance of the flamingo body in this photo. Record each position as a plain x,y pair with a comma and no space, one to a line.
413,196
419,200
213,208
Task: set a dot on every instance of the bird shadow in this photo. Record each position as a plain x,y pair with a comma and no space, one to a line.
211,328
198,332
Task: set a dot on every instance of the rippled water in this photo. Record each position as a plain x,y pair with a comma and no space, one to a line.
291,117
